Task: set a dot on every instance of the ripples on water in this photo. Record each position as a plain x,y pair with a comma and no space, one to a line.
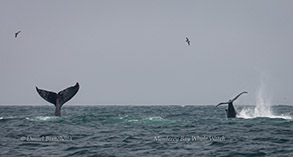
144,131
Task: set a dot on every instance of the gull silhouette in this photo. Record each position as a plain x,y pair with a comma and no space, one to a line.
188,41
16,34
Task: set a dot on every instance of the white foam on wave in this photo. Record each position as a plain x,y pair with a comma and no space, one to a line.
248,113
133,120
42,118
10,117
262,108
123,117
158,118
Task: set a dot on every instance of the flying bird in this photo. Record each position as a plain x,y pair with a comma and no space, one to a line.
188,41
16,34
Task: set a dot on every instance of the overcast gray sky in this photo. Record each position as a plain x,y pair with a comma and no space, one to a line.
134,52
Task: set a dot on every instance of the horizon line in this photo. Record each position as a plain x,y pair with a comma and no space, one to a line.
144,104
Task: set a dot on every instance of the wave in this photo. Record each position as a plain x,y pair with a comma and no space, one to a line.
157,118
248,113
149,120
9,118
43,118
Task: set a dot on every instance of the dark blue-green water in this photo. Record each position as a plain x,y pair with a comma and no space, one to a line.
143,131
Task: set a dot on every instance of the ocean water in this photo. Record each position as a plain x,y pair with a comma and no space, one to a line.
146,131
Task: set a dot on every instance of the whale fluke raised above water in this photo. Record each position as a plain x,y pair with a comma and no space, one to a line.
58,99
231,112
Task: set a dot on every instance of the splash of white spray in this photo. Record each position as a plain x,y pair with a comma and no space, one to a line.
263,103
262,107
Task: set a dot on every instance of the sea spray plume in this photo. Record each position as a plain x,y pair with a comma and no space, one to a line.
231,112
262,106
59,99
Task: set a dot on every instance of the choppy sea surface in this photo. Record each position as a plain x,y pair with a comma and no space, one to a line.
145,131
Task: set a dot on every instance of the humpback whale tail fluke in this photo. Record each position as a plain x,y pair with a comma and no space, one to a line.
222,103
58,99
239,95
231,112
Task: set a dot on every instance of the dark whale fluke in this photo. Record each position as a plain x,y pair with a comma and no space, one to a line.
59,99
231,112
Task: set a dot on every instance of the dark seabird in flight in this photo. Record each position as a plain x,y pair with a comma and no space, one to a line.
58,99
16,34
231,112
188,41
